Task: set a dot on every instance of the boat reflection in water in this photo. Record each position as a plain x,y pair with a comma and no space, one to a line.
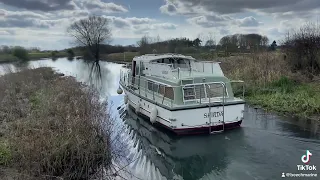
188,157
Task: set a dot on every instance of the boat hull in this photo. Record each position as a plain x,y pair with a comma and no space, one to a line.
194,131
188,121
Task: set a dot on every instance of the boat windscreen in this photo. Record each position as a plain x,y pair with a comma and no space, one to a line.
181,63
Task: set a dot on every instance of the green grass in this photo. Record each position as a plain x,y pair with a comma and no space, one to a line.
31,56
46,55
5,153
7,58
285,96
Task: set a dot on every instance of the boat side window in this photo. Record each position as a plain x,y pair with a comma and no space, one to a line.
156,87
138,68
152,86
169,93
166,61
161,89
142,69
182,63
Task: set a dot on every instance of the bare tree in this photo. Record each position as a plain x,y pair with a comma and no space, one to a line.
210,43
91,32
144,44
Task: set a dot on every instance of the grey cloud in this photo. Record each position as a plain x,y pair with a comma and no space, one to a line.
121,23
219,18
214,20
209,21
171,8
23,19
168,26
3,32
249,22
2,13
231,6
106,7
72,13
41,5
11,32
23,23
20,14
292,14
224,31
129,22
7,32
142,31
135,20
145,29
275,32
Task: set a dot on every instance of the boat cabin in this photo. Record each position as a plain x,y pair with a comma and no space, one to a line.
178,79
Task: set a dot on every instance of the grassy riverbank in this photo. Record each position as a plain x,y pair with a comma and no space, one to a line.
51,127
5,58
271,84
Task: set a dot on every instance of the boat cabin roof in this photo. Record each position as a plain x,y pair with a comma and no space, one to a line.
151,57
176,67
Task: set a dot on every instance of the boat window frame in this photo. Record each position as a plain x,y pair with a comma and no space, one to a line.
138,68
205,91
157,90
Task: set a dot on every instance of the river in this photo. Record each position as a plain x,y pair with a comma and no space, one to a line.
263,148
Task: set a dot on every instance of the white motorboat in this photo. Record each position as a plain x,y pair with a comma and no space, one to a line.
182,94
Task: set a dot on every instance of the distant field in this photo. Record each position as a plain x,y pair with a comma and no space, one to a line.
46,55
7,58
32,56
123,57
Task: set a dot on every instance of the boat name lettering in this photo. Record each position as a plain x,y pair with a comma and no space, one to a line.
164,72
213,114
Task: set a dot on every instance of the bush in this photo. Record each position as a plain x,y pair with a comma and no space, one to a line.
56,126
54,54
20,53
70,53
302,47
284,84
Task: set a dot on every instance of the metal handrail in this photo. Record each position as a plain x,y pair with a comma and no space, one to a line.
204,84
154,94
124,75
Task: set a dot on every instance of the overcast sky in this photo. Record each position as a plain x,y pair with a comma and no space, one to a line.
43,23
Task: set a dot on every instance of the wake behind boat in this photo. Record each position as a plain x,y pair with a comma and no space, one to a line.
181,94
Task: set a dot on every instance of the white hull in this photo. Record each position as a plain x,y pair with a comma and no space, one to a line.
190,121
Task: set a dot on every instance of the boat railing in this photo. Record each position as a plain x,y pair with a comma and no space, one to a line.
170,71
202,93
199,93
161,70
160,93
208,67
